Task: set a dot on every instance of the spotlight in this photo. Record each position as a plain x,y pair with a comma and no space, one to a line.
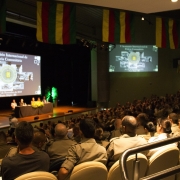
142,18
174,0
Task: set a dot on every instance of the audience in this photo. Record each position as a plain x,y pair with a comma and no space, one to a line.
82,138
26,160
87,150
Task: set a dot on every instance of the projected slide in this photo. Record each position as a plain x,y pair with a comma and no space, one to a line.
19,74
133,58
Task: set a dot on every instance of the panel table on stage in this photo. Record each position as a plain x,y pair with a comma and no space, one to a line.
24,111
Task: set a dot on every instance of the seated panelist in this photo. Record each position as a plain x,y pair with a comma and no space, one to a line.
21,103
13,104
32,100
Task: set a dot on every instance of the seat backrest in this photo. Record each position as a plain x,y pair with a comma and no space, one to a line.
164,158
37,175
90,170
115,172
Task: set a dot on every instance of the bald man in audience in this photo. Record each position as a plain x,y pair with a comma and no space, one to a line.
58,147
129,139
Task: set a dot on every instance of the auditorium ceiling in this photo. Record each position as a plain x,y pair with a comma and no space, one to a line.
89,12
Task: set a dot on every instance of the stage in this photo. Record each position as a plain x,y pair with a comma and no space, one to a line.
59,113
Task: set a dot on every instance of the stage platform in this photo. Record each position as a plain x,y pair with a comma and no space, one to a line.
61,113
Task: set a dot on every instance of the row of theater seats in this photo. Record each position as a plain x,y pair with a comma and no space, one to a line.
163,159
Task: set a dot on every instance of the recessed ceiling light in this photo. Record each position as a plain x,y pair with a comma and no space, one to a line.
174,0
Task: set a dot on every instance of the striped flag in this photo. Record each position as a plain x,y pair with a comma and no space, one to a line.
117,26
2,16
56,22
167,33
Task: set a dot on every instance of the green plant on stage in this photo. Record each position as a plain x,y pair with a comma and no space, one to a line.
54,93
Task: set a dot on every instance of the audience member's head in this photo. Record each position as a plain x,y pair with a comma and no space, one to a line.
174,118
87,127
60,130
142,119
76,130
24,133
39,139
129,125
150,127
117,123
163,126
98,134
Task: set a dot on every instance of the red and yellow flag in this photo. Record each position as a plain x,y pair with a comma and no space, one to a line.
167,33
2,16
117,26
56,22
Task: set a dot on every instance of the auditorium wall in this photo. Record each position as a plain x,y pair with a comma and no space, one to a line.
129,86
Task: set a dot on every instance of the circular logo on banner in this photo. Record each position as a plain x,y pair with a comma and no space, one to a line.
8,74
134,57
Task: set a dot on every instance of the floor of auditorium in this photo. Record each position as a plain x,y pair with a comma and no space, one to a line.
57,112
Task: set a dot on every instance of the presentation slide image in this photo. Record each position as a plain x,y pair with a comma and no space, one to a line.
19,74
133,58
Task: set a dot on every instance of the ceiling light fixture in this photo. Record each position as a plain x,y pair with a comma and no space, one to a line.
142,18
174,0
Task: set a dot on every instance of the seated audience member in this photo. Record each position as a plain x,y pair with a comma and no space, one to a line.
57,147
70,130
21,103
77,136
142,119
163,130
26,160
38,140
150,129
174,127
117,129
13,104
87,150
129,139
98,136
4,147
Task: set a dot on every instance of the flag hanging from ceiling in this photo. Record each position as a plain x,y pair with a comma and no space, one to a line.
167,33
56,22
117,26
2,16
